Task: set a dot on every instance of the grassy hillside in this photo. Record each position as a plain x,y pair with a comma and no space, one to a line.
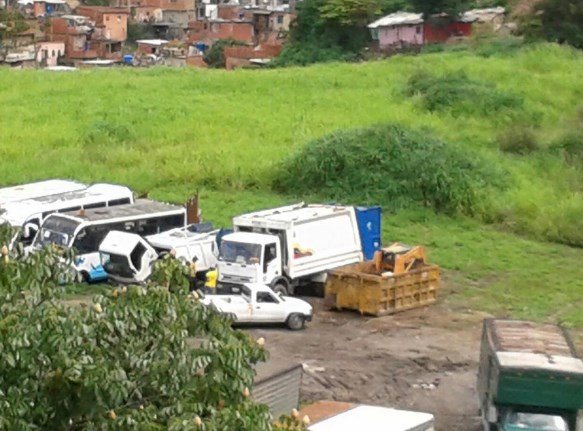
170,131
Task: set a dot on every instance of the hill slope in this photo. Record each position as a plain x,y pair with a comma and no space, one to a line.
169,131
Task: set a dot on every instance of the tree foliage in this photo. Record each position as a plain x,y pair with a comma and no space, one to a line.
556,21
11,24
138,358
216,55
323,32
450,7
350,12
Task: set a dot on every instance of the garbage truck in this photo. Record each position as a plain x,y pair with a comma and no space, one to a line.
529,378
296,244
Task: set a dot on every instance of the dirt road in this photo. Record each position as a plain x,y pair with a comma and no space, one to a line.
422,360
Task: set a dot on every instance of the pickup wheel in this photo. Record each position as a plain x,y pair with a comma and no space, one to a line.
280,288
295,322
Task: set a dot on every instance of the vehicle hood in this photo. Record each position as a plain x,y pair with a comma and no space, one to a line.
298,305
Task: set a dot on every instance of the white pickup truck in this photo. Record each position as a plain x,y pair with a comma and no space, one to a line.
257,303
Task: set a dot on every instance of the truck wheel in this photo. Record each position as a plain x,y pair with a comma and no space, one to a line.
85,277
295,322
280,288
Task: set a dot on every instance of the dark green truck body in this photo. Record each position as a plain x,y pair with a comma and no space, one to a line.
528,368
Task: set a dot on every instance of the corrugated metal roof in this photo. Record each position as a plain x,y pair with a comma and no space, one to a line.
398,18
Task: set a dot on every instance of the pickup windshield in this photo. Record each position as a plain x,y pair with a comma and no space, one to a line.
56,230
535,421
240,252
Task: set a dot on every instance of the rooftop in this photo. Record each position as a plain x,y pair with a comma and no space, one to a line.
397,18
139,207
288,214
153,42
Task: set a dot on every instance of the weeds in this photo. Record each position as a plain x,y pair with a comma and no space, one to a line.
457,93
519,140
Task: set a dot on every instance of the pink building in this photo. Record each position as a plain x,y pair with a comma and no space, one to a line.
398,30
47,53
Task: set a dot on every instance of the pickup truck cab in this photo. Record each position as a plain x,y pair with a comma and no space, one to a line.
258,304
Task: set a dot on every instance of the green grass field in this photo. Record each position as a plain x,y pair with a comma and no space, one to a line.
170,132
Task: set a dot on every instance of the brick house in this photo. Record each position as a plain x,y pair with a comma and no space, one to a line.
112,20
82,39
210,31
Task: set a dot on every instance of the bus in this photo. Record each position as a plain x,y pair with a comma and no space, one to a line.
38,189
85,230
28,215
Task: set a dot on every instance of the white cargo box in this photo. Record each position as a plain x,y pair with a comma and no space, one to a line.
334,416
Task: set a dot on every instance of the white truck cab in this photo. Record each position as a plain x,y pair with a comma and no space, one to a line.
259,304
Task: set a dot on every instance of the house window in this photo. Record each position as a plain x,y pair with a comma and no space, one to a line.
53,53
119,18
107,17
418,29
374,33
280,19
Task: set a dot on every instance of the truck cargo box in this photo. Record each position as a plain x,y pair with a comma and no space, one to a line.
358,287
529,364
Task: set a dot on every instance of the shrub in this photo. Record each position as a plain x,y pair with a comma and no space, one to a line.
216,55
518,140
389,165
570,145
456,92
104,132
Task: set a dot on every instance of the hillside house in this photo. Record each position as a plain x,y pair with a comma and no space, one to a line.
210,31
398,30
48,53
440,28
112,22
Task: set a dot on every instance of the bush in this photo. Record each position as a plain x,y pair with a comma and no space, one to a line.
570,145
518,140
216,55
456,92
389,165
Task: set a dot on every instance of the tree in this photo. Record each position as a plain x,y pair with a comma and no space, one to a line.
139,358
327,32
450,7
350,12
556,21
11,24
216,55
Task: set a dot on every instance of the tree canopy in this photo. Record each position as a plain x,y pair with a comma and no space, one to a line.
138,358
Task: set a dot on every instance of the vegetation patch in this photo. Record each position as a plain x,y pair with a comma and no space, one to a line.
389,165
519,140
456,92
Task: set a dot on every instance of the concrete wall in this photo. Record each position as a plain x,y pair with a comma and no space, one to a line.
400,35
49,52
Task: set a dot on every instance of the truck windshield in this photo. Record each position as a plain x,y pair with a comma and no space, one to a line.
539,422
56,230
240,252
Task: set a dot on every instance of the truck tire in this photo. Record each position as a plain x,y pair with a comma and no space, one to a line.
280,288
85,277
295,322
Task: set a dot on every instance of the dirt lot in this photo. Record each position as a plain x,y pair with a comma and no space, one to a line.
423,360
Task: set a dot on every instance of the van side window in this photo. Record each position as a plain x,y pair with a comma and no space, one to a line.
114,202
170,222
89,239
95,205
65,210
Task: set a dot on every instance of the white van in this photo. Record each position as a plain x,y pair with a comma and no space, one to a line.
37,189
85,230
29,214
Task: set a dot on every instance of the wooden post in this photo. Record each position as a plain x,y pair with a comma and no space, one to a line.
192,210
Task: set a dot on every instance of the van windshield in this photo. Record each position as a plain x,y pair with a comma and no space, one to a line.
56,230
535,421
239,252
